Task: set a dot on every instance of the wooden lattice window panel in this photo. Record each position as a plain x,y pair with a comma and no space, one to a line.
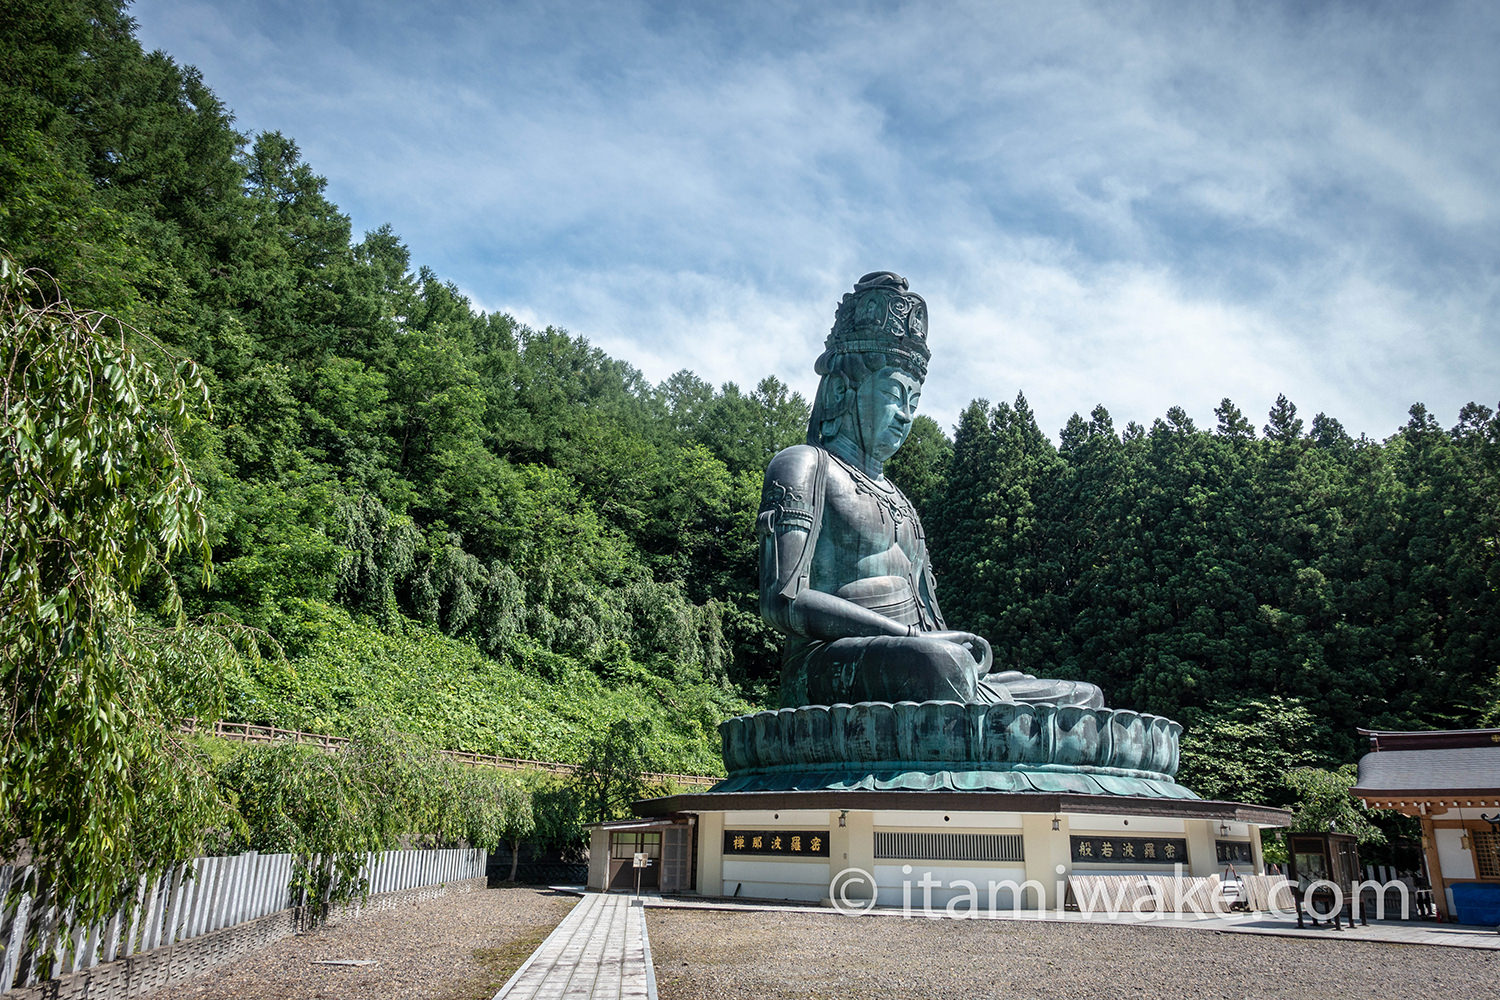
1487,854
949,847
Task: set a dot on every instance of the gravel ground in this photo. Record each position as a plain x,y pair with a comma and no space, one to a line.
457,947
725,955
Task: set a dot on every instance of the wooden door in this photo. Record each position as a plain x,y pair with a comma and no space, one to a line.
676,860
623,846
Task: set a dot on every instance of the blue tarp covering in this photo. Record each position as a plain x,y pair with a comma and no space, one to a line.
1477,903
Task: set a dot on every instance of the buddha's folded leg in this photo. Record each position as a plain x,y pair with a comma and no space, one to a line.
1031,690
892,669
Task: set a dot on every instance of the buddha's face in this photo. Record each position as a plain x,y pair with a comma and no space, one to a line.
887,406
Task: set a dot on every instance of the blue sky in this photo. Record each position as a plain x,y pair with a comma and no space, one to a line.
1140,205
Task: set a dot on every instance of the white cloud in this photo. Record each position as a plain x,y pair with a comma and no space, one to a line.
1142,205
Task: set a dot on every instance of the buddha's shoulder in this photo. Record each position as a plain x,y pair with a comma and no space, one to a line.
797,464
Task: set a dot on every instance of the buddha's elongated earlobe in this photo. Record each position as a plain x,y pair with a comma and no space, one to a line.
835,397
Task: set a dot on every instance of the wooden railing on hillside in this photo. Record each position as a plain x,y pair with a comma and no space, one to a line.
251,733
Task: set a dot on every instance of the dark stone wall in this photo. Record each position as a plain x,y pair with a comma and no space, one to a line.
540,866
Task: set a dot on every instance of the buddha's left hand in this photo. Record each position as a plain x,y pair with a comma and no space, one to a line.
977,646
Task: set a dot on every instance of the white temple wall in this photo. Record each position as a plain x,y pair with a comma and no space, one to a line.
993,887
1043,851
804,879
1458,864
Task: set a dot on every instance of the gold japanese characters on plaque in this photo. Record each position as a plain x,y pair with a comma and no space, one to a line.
787,843
1129,850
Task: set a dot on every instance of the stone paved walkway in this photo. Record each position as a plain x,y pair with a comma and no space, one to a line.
600,950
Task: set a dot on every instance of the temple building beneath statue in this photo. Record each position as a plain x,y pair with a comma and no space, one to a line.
795,845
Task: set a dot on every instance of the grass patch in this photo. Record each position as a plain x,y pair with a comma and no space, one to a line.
496,965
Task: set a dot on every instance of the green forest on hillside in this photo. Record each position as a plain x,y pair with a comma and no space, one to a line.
1192,572
504,540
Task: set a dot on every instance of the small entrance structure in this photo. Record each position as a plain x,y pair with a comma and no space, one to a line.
1450,781
666,844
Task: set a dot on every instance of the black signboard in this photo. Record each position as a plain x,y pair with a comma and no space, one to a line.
1130,850
1234,852
783,843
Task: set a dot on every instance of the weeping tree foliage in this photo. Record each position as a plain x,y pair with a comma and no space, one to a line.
380,550
95,496
613,771
557,810
387,790
520,822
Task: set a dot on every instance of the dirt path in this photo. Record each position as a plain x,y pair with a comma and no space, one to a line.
719,955
458,947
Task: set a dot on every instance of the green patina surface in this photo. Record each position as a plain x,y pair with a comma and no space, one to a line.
844,568
952,746
880,692
959,779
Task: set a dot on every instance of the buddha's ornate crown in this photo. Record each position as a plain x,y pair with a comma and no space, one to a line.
880,315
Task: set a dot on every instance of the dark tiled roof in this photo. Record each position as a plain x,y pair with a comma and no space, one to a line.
1431,739
1450,768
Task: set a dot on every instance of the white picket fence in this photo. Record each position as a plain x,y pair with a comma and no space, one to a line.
209,895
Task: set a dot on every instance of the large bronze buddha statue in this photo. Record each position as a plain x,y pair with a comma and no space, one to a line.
844,570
